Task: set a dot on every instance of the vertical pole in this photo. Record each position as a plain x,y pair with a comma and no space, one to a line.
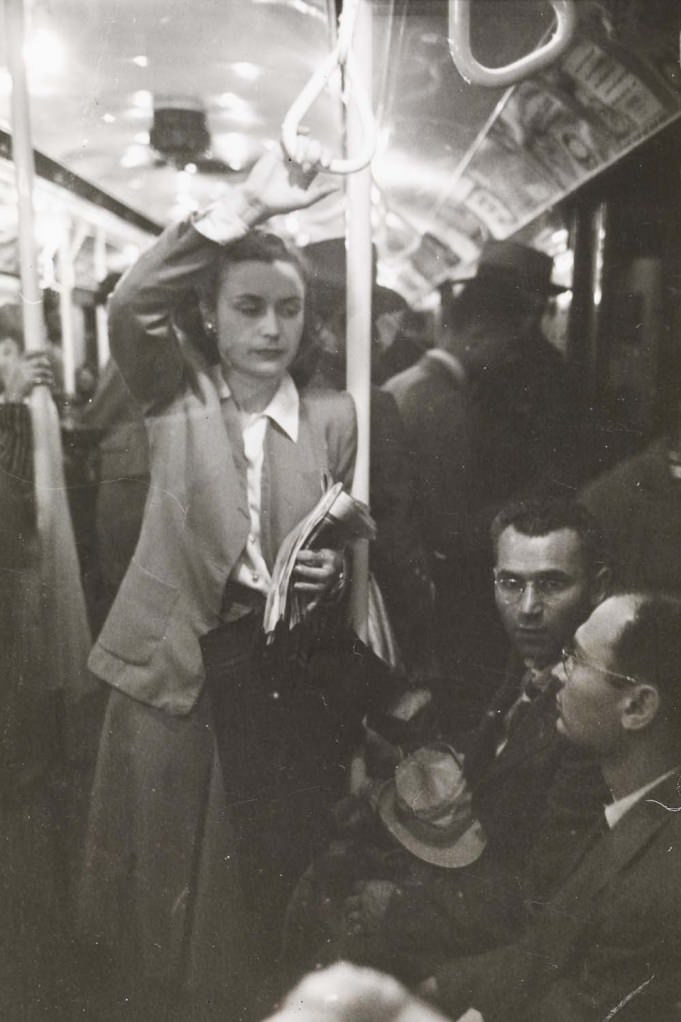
67,281
22,154
34,327
359,292
63,627
100,311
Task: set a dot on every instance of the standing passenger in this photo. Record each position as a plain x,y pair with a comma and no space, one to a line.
489,417
123,476
189,867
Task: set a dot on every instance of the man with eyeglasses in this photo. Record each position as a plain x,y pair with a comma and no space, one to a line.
549,575
607,945
534,794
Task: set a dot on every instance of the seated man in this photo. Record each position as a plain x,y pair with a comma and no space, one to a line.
608,944
533,796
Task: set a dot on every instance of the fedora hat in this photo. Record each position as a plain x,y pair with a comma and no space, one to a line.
427,808
325,261
509,262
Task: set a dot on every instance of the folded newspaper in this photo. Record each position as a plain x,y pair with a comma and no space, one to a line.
335,521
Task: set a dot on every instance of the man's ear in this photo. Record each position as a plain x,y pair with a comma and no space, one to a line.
600,585
641,707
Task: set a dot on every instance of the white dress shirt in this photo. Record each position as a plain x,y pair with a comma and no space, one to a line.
284,409
616,810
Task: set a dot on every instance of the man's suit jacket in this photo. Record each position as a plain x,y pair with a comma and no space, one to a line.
607,945
638,505
434,408
196,521
537,771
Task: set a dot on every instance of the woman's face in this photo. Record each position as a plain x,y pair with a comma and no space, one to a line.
259,317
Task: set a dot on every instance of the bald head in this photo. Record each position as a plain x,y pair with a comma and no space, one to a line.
623,676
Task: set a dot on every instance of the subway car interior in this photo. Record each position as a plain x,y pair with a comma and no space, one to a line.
262,754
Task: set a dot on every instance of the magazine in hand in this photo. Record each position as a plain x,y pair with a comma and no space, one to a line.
335,521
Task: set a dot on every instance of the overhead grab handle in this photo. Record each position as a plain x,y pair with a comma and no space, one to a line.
501,77
340,57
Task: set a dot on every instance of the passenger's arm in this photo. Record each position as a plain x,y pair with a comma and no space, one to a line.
141,308
344,452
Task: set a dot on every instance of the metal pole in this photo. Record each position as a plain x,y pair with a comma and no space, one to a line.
100,311
63,626
359,291
67,281
22,153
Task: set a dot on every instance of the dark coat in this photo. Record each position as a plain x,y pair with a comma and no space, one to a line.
398,558
609,939
434,408
479,443
27,705
512,791
638,505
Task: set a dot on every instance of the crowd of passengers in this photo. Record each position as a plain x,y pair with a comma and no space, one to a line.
480,802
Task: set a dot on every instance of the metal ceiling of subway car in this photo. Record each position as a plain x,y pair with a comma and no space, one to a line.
455,163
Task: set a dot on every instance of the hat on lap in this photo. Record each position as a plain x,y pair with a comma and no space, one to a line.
427,808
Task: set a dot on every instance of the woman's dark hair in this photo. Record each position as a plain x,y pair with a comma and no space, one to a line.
258,247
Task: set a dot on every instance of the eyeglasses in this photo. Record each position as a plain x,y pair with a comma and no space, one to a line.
571,658
511,588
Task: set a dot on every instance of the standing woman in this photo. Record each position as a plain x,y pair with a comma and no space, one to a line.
187,866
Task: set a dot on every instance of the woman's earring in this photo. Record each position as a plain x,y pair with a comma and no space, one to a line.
210,327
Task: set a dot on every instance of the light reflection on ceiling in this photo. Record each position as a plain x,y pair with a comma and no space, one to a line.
455,163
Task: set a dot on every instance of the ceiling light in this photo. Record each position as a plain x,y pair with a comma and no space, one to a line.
143,99
235,149
140,60
230,101
237,108
108,118
134,156
44,52
246,70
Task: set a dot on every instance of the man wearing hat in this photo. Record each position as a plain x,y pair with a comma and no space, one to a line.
490,417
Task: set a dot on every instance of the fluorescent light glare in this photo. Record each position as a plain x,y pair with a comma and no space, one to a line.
246,70
143,99
44,52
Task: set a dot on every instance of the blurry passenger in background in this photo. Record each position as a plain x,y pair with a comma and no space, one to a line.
638,505
398,558
123,474
401,337
32,866
490,417
52,319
